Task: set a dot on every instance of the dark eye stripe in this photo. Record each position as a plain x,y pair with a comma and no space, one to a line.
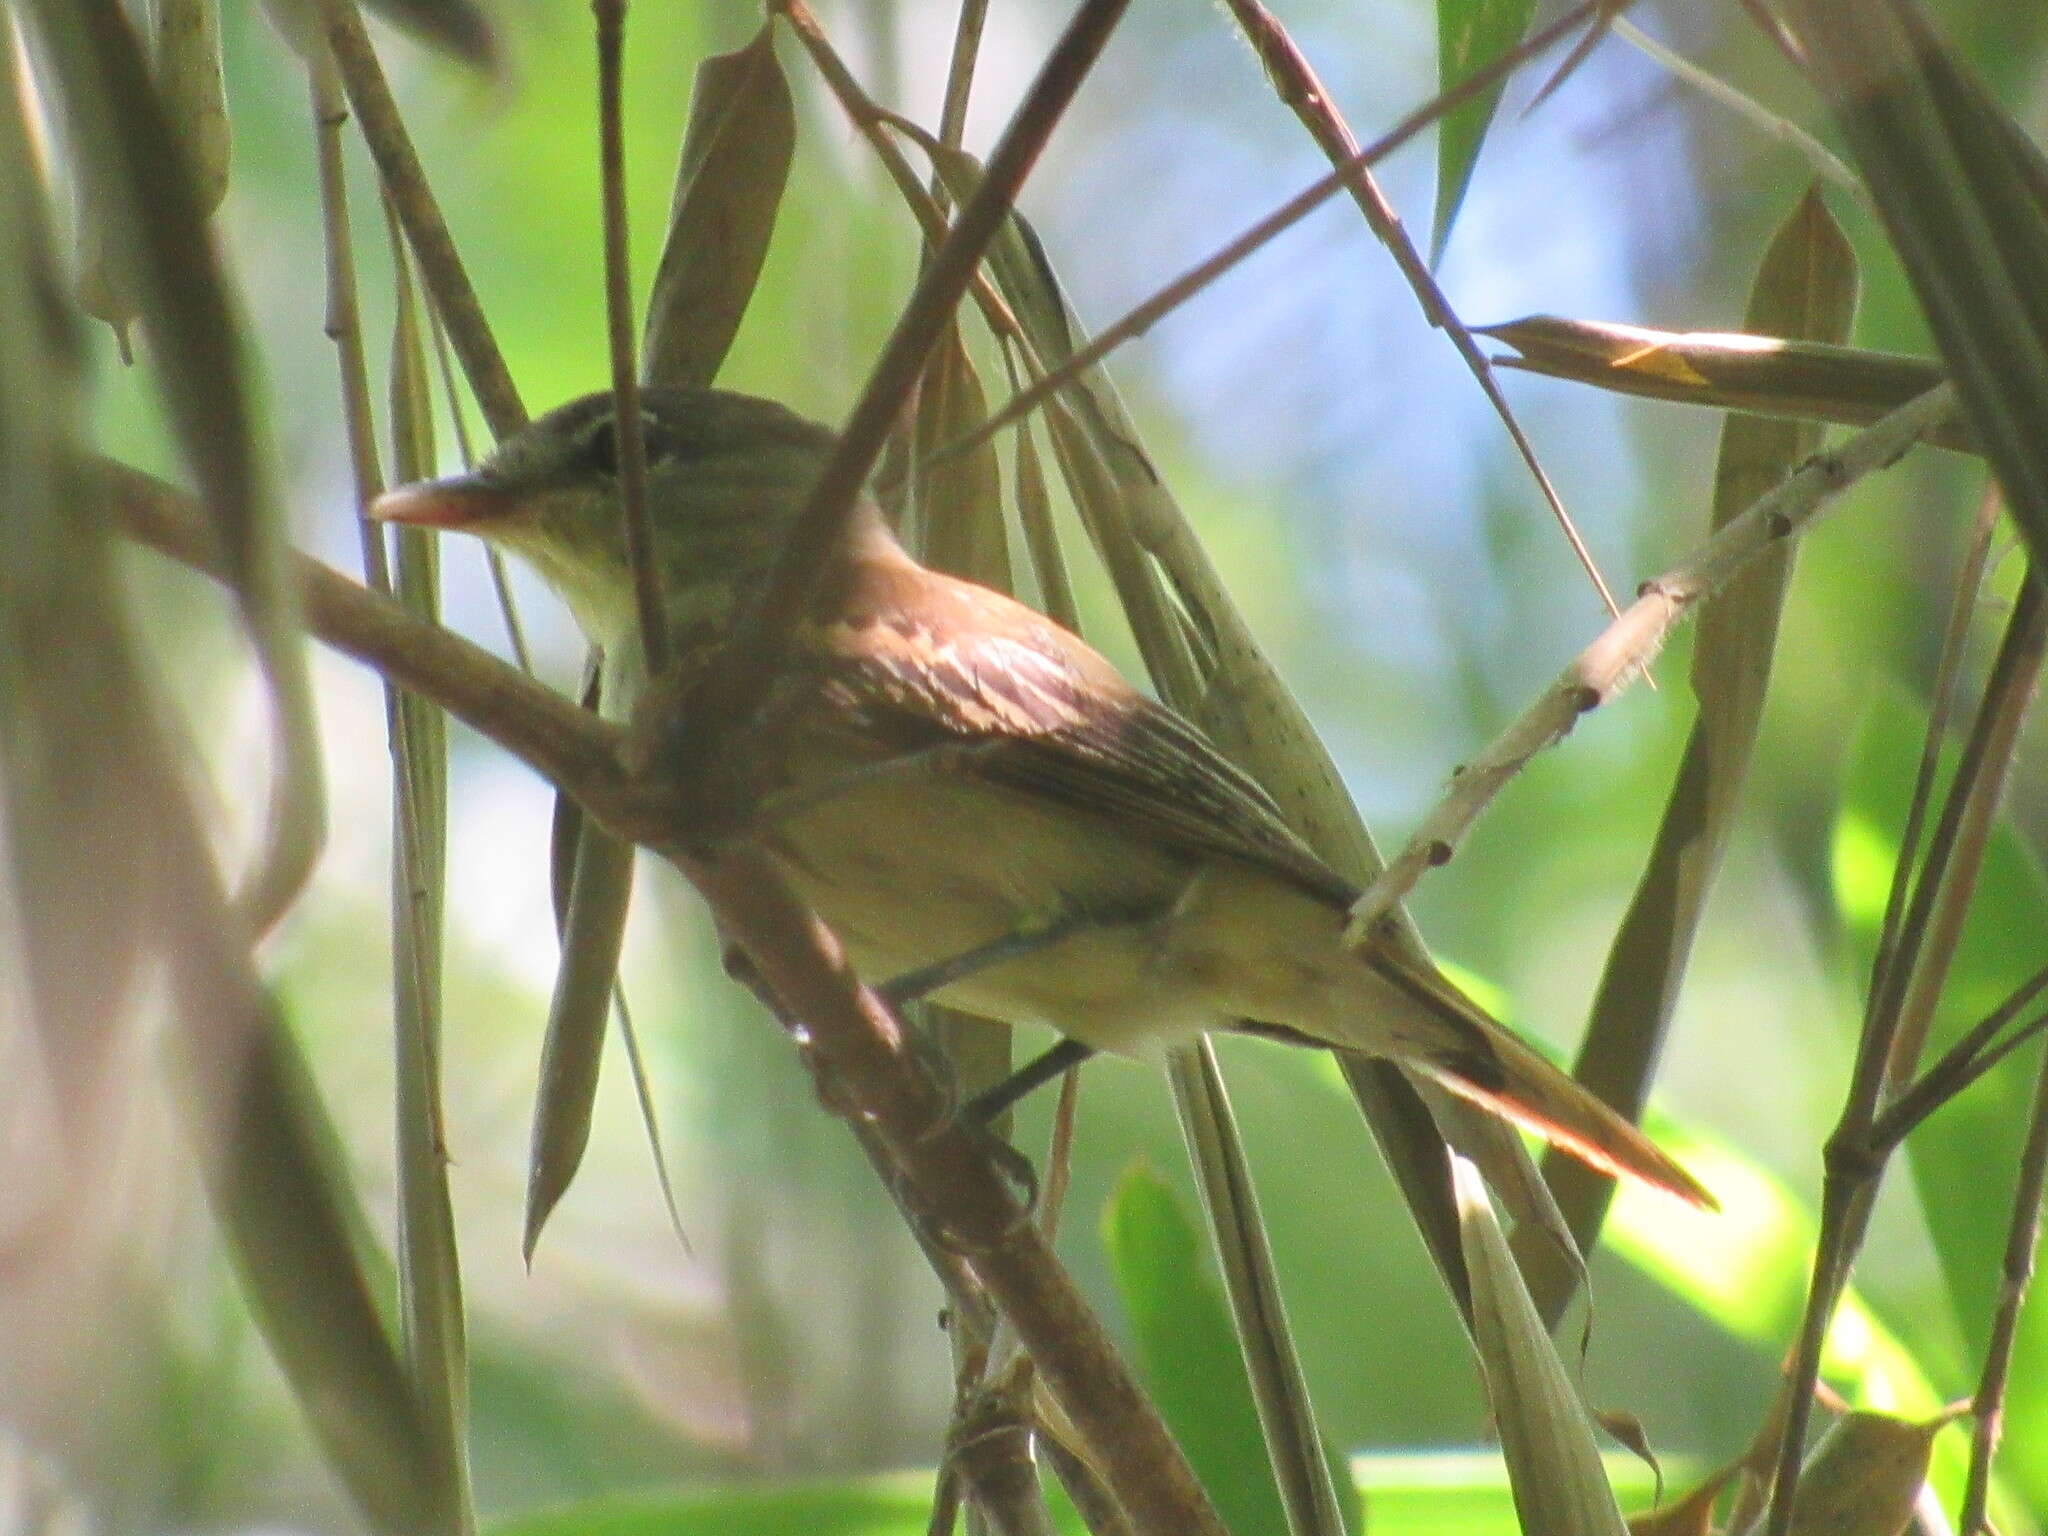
601,448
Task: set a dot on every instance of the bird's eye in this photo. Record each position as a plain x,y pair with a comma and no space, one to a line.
602,450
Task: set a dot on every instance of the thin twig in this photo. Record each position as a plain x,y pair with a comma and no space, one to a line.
1947,670
629,444
567,745
2022,1237
959,84
441,268
1191,282
465,455
1825,162
1854,1163
762,631
1957,1069
1958,1066
1606,666
1296,81
869,119
2010,691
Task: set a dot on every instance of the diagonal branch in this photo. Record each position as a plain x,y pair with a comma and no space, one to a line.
1296,81
1607,666
1298,207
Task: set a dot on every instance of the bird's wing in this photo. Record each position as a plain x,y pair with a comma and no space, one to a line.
952,664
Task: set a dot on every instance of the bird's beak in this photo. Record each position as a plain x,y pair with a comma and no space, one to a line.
460,501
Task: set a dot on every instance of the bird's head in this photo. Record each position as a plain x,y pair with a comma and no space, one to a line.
725,475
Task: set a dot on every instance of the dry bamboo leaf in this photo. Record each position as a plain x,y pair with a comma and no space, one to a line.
592,933
1560,1487
1041,537
1761,372
188,72
958,503
1692,1515
462,29
1279,1390
1805,289
735,158
103,288
1627,1431
1864,1476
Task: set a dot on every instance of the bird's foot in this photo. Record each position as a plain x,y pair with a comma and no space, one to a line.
1056,1062
914,986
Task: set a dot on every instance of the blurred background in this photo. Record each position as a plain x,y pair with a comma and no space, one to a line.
1388,549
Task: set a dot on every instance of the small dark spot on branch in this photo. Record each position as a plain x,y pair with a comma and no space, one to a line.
1585,699
1829,467
1439,853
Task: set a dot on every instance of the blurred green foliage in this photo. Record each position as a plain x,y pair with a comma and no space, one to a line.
1405,581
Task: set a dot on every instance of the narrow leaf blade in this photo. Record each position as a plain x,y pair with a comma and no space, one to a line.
735,159
1469,33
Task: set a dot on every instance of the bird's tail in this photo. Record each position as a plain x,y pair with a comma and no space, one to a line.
1505,1076
1439,1031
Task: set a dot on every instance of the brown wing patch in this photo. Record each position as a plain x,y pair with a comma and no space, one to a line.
917,660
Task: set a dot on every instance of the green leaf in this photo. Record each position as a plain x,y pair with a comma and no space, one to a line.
1546,1434
735,160
1189,1350
1469,34
1963,193
1295,1448
430,1273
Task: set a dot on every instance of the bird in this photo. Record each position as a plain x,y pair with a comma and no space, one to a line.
977,803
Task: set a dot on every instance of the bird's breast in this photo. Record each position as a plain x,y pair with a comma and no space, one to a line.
916,870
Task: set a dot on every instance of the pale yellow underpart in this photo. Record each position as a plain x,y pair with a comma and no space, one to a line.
965,863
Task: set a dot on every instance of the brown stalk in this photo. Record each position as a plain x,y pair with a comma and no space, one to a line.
762,630
864,1058
1299,87
405,183
629,442
1948,669
2022,1238
1854,1160
857,1046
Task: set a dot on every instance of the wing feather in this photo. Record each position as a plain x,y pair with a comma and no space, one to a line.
950,663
